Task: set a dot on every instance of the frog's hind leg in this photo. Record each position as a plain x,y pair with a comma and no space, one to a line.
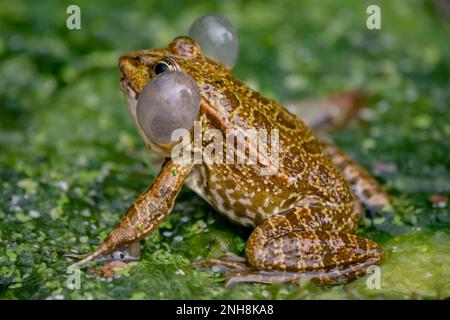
364,186
293,244
288,247
334,112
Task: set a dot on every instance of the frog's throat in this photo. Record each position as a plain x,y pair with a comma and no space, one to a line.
131,103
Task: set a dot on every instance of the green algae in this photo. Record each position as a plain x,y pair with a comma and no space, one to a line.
71,161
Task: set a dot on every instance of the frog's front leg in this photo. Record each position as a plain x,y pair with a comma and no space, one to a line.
145,214
296,243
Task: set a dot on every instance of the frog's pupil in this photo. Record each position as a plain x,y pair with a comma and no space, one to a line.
161,67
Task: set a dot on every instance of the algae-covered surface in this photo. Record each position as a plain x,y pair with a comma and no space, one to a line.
71,161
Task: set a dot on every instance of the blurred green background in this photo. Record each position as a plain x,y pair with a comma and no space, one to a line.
71,161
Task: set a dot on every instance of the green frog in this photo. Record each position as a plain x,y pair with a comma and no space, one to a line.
303,215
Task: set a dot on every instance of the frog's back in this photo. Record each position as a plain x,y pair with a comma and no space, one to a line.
304,175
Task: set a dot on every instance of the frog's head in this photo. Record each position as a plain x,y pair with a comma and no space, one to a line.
183,54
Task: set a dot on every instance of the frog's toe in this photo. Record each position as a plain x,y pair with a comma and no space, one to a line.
228,262
233,257
237,270
124,253
265,277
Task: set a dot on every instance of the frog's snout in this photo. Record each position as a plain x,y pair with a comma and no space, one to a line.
134,70
127,66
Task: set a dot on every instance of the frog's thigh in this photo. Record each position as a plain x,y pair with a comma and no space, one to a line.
363,185
329,257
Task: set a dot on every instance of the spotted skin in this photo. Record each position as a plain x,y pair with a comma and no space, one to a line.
300,240
364,186
303,214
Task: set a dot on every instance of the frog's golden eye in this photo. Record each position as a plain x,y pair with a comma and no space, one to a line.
164,65
160,68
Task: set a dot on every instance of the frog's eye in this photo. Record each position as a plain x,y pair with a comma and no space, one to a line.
164,65
160,68
169,101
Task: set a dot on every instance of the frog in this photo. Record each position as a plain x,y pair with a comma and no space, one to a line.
303,215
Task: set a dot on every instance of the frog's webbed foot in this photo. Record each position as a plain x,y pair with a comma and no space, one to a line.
237,270
335,276
229,262
265,277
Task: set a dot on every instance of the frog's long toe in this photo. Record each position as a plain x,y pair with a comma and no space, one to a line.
99,255
229,262
237,270
265,277
123,253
